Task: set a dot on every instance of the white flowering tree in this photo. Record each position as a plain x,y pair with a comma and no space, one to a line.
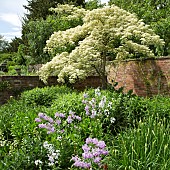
107,33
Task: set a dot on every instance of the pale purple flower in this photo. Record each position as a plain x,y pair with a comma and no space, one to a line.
96,151
95,141
85,148
62,131
86,165
52,129
85,95
58,122
101,144
62,115
69,119
82,164
87,155
51,159
94,113
92,116
104,152
89,140
73,116
49,119
87,109
75,158
49,132
92,153
97,159
42,125
49,126
56,114
93,103
41,115
38,120
78,118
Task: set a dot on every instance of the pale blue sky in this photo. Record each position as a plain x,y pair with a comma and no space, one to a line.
11,13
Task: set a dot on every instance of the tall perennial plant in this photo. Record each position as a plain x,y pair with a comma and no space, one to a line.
74,129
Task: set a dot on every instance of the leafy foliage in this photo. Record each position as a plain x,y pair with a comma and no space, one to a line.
44,96
141,148
3,44
153,12
40,8
140,130
39,31
38,24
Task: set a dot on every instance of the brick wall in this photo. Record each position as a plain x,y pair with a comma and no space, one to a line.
20,83
146,77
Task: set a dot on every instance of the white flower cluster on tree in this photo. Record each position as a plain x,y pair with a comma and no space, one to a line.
107,33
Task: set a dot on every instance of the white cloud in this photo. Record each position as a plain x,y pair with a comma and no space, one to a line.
10,35
16,28
10,22
11,18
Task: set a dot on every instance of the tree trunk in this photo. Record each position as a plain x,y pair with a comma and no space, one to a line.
103,72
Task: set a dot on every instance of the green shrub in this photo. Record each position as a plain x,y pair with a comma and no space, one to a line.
43,96
68,101
17,125
5,57
12,70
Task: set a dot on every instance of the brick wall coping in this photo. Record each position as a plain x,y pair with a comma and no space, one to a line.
143,59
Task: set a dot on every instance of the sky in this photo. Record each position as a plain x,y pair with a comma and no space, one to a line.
11,13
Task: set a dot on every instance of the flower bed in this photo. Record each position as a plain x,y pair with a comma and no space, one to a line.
93,129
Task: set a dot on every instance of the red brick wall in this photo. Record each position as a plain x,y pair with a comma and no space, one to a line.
145,77
20,83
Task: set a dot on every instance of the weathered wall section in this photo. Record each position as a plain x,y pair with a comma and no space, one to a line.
146,77
13,85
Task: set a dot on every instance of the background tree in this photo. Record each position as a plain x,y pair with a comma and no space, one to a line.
37,32
40,30
4,55
156,13
39,23
40,8
3,44
107,33
14,44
